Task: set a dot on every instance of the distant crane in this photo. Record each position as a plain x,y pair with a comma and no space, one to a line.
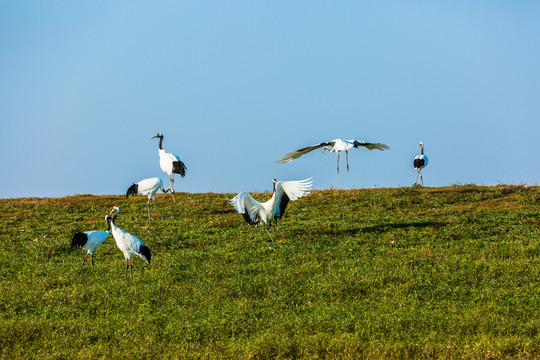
169,162
256,213
336,146
148,187
420,162
129,244
90,240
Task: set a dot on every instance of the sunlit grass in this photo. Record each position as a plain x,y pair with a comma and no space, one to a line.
377,273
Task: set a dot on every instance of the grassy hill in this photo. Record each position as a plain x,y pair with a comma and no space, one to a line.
447,272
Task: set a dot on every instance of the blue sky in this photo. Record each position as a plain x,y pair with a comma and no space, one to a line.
234,85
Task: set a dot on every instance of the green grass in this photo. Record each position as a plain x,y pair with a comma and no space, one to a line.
415,272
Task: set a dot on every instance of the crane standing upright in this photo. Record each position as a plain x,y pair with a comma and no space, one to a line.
169,162
420,162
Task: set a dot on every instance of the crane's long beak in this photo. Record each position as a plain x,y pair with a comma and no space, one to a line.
153,137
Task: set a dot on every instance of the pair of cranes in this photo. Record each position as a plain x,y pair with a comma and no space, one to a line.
129,244
170,164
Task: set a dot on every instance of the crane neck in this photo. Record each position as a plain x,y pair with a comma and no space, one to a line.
160,143
108,223
422,150
113,219
273,188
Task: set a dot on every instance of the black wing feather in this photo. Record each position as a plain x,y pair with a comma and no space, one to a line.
319,145
255,222
282,205
357,143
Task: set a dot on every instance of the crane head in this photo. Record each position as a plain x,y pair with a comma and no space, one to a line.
159,135
115,211
421,144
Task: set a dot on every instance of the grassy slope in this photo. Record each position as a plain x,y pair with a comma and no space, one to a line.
409,272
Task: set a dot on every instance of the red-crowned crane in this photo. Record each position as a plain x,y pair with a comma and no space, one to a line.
420,162
129,244
90,240
169,162
336,146
256,213
148,187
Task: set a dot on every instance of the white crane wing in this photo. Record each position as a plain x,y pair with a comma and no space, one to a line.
150,185
369,146
246,205
293,155
289,191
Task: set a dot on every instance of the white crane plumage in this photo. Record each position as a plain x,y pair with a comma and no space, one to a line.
148,187
420,162
256,213
129,244
336,146
90,240
169,162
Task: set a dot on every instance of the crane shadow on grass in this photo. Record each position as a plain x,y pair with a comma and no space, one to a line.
382,228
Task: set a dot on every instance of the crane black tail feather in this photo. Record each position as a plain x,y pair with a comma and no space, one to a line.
418,163
79,240
179,168
133,190
145,252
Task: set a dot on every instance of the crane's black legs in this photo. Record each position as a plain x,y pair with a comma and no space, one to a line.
347,159
84,260
130,266
91,258
338,162
127,265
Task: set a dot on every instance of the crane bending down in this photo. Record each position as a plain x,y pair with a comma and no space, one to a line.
90,240
420,162
129,244
336,145
256,213
148,187
169,162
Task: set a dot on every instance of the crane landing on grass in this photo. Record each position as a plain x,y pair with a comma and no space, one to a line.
336,145
256,213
